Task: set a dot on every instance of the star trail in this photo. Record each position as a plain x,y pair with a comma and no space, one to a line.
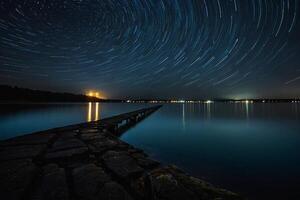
153,48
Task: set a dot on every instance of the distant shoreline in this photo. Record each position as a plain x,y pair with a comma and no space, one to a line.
18,95
12,94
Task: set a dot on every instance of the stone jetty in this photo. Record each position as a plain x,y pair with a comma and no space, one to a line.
89,161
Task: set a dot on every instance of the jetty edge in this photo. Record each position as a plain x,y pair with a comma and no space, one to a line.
89,161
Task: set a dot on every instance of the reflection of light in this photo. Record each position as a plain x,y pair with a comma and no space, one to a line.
183,116
97,112
208,111
247,110
89,117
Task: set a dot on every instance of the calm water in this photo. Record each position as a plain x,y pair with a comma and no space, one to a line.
18,119
253,149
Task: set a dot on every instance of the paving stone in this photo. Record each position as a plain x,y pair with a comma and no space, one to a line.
171,183
89,130
144,161
114,191
121,164
20,152
141,187
66,154
17,177
32,139
204,190
69,143
88,181
67,135
104,144
92,136
147,163
54,185
165,187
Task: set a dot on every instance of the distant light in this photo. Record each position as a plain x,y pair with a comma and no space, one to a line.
208,101
91,94
95,94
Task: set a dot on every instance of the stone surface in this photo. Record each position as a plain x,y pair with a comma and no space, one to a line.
69,143
89,130
16,178
32,139
114,191
21,152
54,185
121,164
201,188
88,181
66,154
104,144
68,134
175,183
145,162
165,186
92,136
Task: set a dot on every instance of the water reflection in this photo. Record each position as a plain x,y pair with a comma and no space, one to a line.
252,149
183,116
208,106
90,113
97,112
89,117
247,110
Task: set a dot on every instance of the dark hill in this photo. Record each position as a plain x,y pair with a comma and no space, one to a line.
16,94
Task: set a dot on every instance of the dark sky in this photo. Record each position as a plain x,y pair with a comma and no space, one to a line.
153,48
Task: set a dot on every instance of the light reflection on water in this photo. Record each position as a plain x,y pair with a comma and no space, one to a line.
19,119
253,149
93,112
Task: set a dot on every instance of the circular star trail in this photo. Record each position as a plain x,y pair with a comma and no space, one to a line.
152,48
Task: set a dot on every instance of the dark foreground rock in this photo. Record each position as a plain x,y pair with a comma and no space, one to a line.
88,161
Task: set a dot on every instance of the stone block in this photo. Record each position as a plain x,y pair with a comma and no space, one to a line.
63,144
114,191
21,152
54,185
16,177
66,154
122,164
31,139
88,181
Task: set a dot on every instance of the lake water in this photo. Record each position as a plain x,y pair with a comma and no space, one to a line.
252,149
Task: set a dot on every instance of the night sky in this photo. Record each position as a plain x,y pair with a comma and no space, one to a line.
153,48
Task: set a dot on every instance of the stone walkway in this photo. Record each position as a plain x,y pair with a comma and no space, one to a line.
89,161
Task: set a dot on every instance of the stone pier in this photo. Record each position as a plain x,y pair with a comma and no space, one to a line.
89,161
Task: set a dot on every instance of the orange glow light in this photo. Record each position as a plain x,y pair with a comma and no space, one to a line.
96,94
